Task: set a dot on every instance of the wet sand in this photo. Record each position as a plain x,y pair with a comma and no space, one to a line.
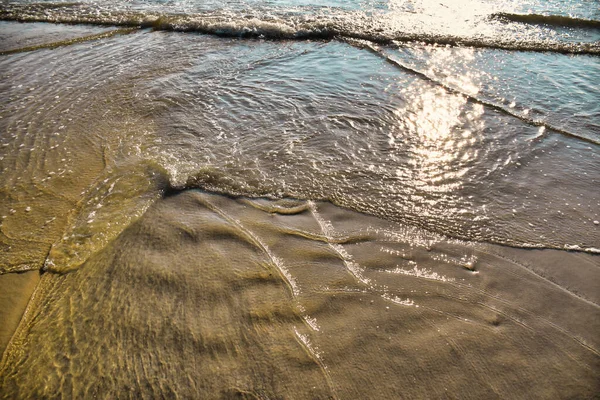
15,291
208,296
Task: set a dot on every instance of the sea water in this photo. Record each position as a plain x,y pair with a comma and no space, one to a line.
477,120
469,123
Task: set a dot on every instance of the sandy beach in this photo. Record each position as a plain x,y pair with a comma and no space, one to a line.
305,200
215,297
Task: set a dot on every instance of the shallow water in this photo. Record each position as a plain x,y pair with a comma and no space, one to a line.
439,137
473,126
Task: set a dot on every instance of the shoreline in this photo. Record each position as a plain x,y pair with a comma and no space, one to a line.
211,295
134,266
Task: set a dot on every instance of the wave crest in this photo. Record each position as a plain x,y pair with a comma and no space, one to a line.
349,25
552,20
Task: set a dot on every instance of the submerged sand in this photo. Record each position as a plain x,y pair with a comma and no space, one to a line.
208,296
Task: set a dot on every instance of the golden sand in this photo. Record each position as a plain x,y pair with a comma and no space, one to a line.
208,296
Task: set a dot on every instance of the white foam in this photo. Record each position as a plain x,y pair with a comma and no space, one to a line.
304,339
422,273
398,300
329,233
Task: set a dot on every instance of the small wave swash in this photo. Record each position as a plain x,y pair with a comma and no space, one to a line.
551,20
342,24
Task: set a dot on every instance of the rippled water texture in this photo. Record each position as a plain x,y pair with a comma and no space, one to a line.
372,129
334,199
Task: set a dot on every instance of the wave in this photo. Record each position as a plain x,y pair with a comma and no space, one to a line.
68,42
552,20
495,106
347,25
215,181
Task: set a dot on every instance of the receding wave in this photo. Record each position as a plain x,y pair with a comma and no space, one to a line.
69,42
552,20
352,25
